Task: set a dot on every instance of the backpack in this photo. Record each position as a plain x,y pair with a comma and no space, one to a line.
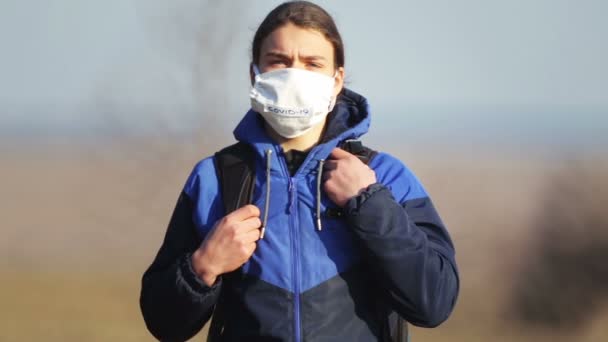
235,171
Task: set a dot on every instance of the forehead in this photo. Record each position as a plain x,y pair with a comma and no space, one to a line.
291,39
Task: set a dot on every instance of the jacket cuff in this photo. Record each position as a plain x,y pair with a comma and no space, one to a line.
354,205
194,283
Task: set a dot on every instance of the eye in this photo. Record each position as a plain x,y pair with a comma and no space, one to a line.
315,65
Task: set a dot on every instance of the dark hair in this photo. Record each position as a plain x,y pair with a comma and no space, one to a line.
302,14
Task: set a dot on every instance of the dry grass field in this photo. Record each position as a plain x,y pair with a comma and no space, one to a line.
80,225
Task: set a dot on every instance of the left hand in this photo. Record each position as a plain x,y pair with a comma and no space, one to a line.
345,176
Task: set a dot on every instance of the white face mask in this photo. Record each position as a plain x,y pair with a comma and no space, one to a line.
291,100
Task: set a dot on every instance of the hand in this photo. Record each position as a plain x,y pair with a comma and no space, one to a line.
346,176
229,244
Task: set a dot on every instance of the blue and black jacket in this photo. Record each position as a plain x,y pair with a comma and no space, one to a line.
389,253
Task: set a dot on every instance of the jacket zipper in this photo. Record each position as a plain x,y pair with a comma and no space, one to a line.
296,260
295,244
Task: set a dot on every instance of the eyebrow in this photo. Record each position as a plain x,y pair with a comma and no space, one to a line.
276,54
284,56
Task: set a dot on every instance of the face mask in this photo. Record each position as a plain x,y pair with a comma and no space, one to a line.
292,100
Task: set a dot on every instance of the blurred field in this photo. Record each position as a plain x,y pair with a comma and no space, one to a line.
80,225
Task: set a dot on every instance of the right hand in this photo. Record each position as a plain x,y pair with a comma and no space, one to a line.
229,244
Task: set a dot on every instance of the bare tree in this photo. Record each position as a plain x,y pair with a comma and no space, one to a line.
178,94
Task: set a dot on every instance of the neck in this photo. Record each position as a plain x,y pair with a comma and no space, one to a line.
304,142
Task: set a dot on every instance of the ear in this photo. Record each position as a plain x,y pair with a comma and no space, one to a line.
339,81
251,73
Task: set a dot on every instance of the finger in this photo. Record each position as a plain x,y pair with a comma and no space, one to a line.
330,165
329,188
338,153
244,213
251,248
252,223
251,236
327,175
246,249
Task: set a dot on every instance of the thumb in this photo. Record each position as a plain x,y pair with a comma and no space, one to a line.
338,153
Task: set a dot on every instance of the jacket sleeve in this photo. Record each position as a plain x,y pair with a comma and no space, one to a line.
411,251
174,301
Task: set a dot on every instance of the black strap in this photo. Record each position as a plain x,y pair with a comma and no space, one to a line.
236,174
364,153
235,170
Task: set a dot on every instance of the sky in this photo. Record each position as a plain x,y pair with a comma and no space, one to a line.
512,70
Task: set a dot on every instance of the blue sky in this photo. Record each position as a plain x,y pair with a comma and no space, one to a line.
429,67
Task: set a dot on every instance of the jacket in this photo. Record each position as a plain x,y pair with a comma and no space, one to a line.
314,276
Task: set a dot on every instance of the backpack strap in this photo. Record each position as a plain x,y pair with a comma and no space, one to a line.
364,153
235,171
236,175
